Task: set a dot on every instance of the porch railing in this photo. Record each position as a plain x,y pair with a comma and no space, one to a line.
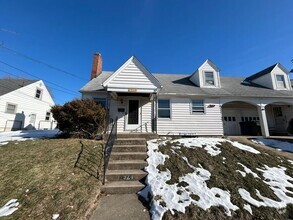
139,128
109,146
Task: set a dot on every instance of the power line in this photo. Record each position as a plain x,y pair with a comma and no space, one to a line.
41,62
50,87
30,74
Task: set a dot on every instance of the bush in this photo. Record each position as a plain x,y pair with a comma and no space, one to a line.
80,118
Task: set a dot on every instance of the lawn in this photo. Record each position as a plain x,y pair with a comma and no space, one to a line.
41,175
213,178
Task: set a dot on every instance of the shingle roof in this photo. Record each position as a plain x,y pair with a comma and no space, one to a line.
181,85
261,73
10,84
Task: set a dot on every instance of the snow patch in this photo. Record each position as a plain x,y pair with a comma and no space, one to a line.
55,216
208,144
247,170
244,147
290,161
247,207
241,172
279,145
9,207
26,135
278,181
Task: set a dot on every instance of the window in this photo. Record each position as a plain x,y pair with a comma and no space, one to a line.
197,106
10,108
280,81
164,108
209,78
38,94
101,101
48,115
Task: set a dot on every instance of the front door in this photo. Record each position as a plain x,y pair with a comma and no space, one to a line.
279,119
33,120
132,117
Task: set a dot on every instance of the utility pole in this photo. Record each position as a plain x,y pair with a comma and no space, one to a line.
291,71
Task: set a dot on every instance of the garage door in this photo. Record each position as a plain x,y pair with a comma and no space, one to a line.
231,123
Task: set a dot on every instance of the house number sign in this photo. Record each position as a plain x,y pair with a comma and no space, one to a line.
132,90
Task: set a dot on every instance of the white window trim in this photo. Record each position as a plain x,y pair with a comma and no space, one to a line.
204,79
170,108
41,95
197,113
284,82
9,103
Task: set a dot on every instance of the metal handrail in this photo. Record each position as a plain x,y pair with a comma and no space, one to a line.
140,127
108,147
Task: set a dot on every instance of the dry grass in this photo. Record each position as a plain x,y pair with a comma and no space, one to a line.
46,169
224,176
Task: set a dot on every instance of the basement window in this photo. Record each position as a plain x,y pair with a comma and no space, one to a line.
280,81
164,110
197,106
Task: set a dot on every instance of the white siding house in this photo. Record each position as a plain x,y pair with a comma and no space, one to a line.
25,104
202,103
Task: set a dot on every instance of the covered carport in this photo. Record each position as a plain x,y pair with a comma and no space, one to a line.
240,118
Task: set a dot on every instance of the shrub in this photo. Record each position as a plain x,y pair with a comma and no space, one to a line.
80,118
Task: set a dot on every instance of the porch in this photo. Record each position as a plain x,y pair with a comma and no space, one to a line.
249,118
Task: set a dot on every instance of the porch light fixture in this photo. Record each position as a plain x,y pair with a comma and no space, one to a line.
121,101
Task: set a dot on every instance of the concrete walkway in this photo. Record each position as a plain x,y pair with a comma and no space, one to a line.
120,207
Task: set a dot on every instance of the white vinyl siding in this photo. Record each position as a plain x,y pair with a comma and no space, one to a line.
182,121
27,104
131,77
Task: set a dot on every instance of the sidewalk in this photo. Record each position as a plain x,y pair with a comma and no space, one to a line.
120,207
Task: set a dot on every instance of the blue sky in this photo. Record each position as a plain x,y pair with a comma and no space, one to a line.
167,36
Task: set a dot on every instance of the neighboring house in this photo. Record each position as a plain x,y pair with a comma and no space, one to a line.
202,103
25,104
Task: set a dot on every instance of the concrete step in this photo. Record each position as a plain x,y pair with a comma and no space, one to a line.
129,148
137,135
128,156
130,141
126,164
122,187
125,175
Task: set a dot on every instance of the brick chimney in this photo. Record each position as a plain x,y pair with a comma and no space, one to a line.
97,65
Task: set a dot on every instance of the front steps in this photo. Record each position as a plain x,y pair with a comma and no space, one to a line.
126,164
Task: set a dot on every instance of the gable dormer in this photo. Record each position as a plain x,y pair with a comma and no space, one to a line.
132,76
274,77
207,75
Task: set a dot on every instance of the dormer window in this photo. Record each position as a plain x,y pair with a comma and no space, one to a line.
209,79
280,82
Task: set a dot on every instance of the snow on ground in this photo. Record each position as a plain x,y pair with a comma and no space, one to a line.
176,197
280,145
278,181
244,147
55,216
26,135
168,193
9,207
247,171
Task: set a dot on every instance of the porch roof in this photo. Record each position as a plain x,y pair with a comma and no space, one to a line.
179,84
